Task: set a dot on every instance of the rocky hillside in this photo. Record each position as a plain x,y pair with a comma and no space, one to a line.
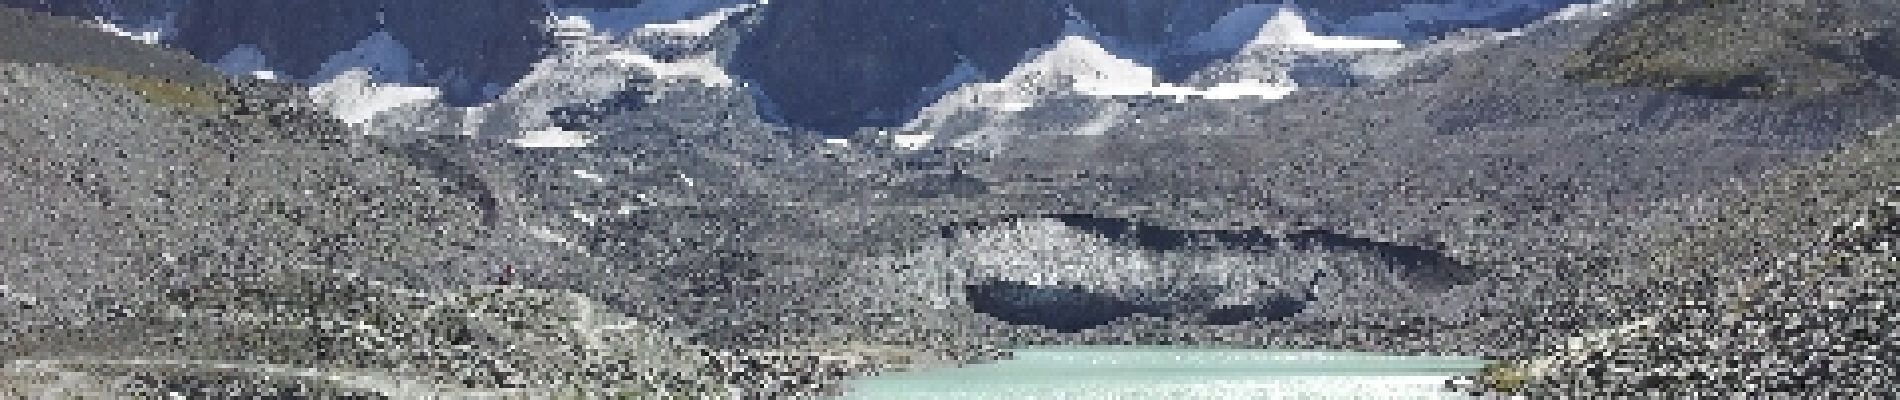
1744,48
1777,287
175,233
1784,290
317,333
41,38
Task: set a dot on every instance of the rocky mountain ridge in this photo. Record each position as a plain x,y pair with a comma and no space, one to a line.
878,61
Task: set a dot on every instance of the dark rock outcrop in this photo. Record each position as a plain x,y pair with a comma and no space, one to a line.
470,50
1060,308
296,36
1424,266
836,74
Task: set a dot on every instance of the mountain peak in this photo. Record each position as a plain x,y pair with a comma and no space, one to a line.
1084,64
1288,27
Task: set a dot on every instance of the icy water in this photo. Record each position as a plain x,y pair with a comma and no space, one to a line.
1177,374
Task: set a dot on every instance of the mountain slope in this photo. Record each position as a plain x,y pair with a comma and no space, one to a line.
1780,290
1491,155
198,247
1739,48
1770,288
41,38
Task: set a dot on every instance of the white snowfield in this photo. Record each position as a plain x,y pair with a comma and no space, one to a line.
553,137
355,99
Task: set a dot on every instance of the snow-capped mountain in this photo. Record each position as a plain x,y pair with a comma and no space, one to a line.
891,52
661,74
891,64
1079,86
1283,52
1051,91
602,71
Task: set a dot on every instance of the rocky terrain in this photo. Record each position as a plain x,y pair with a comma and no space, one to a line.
1609,198
1779,287
1782,291
175,232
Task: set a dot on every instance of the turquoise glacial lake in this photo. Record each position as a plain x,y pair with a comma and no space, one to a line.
1177,374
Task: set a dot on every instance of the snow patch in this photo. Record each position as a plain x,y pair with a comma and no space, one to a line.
570,30
1249,89
912,141
355,99
1287,28
705,25
1084,66
1599,10
590,175
150,32
553,137
1259,26
700,69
